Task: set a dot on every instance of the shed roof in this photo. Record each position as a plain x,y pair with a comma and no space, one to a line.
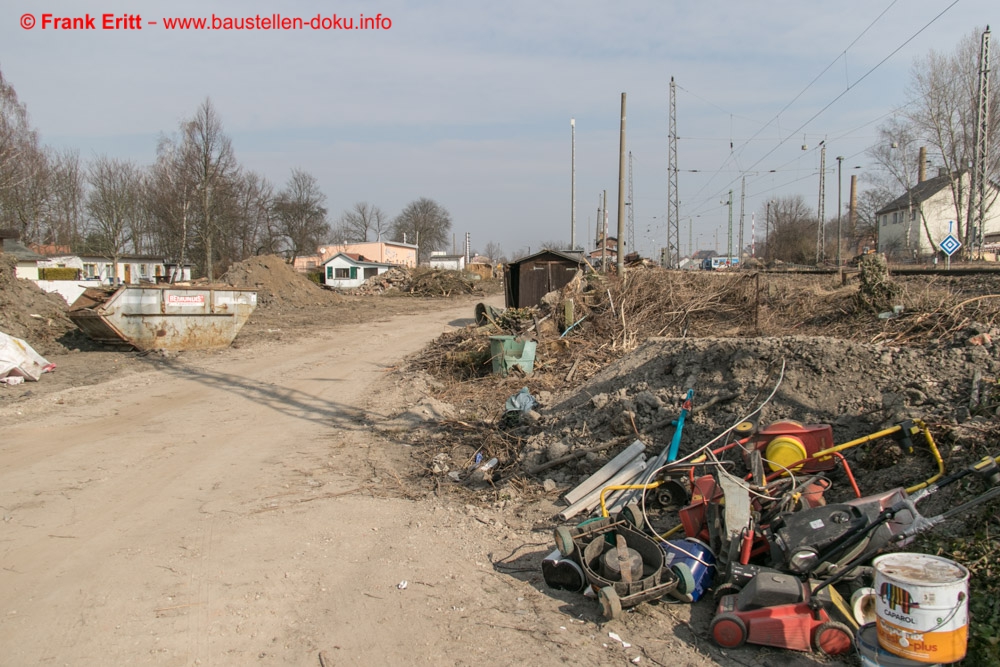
570,255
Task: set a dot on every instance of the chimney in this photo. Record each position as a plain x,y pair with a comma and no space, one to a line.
922,167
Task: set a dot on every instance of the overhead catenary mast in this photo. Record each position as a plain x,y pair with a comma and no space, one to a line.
673,210
821,211
982,138
572,187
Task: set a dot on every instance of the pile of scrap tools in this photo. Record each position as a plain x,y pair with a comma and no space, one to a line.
745,516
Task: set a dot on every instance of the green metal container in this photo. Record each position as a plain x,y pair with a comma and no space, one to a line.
507,352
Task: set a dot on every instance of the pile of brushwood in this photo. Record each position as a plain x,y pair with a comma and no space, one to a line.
423,282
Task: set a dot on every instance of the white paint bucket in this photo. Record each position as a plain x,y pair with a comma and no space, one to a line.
873,655
922,608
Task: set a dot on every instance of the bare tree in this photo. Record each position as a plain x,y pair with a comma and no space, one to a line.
171,197
256,231
19,145
66,193
493,251
299,209
425,223
793,231
26,204
870,201
113,202
214,168
362,221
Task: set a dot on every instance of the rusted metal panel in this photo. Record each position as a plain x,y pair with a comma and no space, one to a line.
164,318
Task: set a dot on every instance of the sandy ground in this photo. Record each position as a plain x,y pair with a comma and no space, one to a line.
239,507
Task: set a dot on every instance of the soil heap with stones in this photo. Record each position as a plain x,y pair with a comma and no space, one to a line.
32,314
278,285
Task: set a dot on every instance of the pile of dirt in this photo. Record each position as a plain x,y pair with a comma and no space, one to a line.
278,285
32,314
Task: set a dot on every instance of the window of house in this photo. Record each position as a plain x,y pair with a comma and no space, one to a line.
370,271
885,220
913,215
342,273
90,270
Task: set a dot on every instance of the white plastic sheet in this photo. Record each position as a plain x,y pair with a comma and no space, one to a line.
18,359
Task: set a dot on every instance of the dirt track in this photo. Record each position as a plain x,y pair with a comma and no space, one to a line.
238,507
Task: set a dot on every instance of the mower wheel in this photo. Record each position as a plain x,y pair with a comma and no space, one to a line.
632,514
723,590
564,540
685,580
611,604
833,638
728,630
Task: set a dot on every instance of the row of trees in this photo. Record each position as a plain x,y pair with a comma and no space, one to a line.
195,202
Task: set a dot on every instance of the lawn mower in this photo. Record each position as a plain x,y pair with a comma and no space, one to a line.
623,565
818,541
778,609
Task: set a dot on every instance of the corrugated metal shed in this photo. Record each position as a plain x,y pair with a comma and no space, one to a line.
530,278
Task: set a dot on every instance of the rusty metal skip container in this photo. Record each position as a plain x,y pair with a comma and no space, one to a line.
164,318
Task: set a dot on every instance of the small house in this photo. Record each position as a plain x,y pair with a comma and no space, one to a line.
347,270
439,260
530,278
27,260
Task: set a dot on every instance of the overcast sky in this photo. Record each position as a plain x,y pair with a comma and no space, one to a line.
469,103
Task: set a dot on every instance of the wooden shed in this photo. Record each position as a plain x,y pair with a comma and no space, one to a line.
530,278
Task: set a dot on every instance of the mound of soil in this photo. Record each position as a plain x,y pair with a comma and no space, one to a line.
30,313
278,285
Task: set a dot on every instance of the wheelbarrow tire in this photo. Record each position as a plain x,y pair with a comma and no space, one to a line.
611,604
728,630
564,540
833,638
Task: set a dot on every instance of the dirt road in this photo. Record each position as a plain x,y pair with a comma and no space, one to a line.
237,508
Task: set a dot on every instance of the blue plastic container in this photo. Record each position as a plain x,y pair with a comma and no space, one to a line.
693,563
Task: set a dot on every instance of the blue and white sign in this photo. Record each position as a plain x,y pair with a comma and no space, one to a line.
950,245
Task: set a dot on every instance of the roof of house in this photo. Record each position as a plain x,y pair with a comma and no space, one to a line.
355,258
918,194
14,247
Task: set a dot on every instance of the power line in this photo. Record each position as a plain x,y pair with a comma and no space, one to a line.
789,104
863,77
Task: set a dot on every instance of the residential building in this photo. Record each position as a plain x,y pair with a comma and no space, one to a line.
395,253
347,270
912,226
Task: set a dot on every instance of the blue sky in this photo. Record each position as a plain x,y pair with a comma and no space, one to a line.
469,103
